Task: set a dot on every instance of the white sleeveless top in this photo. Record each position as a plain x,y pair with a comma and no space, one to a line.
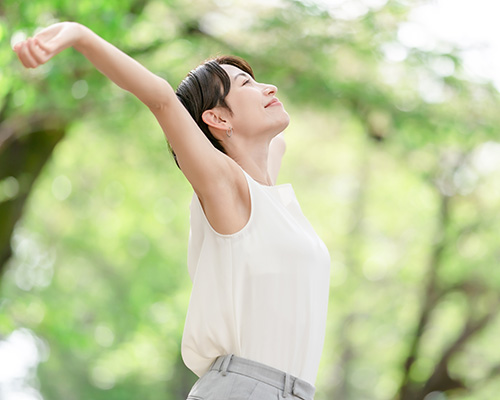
261,293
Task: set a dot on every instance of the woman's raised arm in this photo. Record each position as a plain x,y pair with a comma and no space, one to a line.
193,149
109,60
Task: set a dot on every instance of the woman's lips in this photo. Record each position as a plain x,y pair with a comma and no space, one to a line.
274,102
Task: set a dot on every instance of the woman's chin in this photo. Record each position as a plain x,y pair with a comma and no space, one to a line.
286,121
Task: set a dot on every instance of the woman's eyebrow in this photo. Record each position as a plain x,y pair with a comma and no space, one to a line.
243,74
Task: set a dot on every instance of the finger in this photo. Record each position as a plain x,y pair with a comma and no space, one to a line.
20,53
44,46
26,57
17,46
36,52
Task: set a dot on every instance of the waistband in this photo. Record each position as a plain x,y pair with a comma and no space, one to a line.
263,373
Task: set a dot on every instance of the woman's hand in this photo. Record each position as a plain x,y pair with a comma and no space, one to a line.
46,44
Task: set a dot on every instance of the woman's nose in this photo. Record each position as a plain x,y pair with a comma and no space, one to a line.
270,89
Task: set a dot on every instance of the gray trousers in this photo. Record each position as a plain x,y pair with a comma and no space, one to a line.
236,378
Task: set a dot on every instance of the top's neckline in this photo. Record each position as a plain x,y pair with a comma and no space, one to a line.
266,186
272,186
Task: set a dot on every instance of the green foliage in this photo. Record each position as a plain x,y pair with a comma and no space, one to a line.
394,163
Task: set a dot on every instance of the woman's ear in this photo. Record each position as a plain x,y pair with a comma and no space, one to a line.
214,119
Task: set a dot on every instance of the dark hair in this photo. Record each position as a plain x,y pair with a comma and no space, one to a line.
206,87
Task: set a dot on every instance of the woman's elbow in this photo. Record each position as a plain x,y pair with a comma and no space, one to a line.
161,96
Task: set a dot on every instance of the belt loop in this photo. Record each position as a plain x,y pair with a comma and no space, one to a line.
293,390
225,364
286,388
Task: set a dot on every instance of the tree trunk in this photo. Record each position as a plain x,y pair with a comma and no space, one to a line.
26,144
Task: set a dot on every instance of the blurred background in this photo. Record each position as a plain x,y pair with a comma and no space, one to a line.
393,152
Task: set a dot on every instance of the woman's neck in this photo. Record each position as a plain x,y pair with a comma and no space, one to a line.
254,161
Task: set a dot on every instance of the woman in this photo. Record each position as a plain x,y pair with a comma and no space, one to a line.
256,319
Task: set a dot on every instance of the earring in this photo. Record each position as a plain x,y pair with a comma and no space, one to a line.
229,132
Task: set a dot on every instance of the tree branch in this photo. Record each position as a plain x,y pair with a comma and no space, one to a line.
440,380
430,295
5,106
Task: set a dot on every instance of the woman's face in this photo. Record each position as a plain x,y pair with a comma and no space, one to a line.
255,107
